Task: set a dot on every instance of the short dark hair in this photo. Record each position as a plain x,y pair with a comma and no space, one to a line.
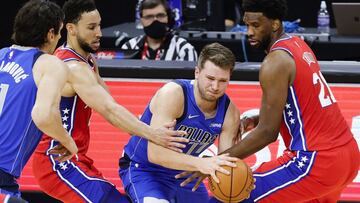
273,9
149,4
219,55
73,9
34,20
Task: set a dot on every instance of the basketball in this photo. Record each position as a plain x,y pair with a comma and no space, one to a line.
234,187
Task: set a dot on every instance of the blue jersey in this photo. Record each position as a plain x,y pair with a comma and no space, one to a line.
18,133
202,131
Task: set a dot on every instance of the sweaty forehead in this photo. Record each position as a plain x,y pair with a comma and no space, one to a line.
252,16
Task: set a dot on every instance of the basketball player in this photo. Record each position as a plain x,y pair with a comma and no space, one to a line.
78,180
200,108
30,83
298,103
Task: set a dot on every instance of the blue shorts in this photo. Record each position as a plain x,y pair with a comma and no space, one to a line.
142,185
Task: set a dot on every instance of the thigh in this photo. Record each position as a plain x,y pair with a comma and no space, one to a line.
186,195
143,186
72,181
305,176
285,179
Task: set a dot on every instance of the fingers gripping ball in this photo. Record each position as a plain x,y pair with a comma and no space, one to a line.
234,187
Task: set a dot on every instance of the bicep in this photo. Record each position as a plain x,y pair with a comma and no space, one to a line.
86,85
52,76
165,106
275,80
99,79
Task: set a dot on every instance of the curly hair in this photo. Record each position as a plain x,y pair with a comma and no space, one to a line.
73,9
273,9
34,20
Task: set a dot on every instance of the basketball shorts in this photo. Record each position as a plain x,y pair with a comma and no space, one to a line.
73,181
143,185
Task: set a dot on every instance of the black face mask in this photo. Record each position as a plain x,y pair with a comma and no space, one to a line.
156,30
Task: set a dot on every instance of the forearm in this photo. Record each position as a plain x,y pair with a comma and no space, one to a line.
122,118
49,122
252,143
172,159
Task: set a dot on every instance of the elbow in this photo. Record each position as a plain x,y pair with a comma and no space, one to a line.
271,134
41,117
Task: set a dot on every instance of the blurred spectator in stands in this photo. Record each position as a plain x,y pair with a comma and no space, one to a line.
230,13
233,13
159,43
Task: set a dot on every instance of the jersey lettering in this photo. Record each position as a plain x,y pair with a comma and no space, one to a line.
3,90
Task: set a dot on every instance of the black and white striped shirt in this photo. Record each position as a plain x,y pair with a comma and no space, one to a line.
174,48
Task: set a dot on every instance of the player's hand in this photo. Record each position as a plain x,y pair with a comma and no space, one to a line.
64,153
247,123
191,176
167,137
210,165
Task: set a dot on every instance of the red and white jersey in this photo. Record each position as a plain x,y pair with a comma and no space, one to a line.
74,112
312,119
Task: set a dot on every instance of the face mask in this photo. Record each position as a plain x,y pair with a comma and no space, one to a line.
156,30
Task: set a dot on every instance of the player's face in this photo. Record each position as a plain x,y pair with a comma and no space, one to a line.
259,29
89,31
212,81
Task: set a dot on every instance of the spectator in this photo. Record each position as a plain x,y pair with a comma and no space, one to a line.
159,43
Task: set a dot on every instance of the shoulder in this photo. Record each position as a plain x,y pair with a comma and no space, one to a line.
171,93
49,66
276,62
172,89
49,63
76,65
79,72
170,99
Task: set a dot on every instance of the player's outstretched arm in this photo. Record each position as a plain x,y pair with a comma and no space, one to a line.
50,75
86,85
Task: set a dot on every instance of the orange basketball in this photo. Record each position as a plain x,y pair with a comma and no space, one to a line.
234,187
